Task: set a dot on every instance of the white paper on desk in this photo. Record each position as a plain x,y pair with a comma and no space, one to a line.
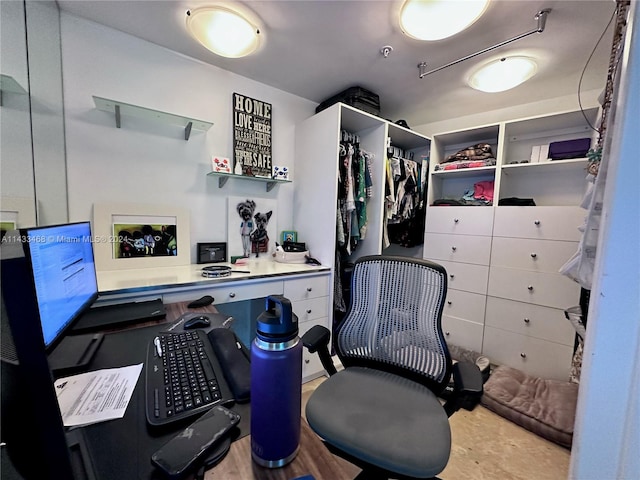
96,396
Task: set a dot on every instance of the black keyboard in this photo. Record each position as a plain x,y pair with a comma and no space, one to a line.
183,377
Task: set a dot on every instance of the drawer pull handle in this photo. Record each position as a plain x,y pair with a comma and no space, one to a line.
454,248
530,288
455,220
534,255
527,320
523,355
309,311
307,361
451,276
536,223
449,302
232,295
447,333
309,289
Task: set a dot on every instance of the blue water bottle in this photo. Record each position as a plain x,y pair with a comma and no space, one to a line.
276,385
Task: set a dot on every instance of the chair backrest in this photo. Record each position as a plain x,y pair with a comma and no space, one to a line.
394,319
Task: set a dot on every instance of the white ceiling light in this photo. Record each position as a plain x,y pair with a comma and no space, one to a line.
438,19
223,31
503,74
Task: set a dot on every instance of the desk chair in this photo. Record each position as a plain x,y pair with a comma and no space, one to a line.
382,412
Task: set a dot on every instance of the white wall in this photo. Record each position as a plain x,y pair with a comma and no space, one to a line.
148,162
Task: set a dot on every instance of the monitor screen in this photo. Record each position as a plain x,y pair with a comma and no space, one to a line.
64,274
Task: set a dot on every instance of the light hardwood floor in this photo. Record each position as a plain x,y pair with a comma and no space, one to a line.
487,446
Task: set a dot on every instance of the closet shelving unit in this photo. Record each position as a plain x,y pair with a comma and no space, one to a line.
506,296
118,109
317,174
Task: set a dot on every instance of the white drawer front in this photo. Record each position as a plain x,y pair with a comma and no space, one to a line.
229,292
462,333
535,255
460,220
531,355
466,276
465,305
303,288
311,365
526,319
311,309
549,289
458,248
544,223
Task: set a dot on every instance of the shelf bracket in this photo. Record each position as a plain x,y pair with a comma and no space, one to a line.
117,116
270,186
187,130
222,181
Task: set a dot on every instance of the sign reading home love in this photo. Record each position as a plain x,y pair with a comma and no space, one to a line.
252,135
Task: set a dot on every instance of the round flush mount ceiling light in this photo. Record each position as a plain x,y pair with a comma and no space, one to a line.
438,19
223,31
503,74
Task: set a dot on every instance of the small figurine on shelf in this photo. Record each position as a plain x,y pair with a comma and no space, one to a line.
238,168
221,164
280,173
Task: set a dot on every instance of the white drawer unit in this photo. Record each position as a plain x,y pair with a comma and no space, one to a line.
460,220
465,276
458,248
544,223
311,309
535,255
537,321
551,290
307,287
531,355
462,333
465,305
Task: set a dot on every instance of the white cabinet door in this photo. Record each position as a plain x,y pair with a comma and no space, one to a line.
458,248
543,223
460,220
535,255
551,290
531,355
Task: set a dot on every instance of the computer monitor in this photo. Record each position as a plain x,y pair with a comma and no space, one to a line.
48,280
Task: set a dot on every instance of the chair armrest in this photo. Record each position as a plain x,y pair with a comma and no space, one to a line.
316,339
467,387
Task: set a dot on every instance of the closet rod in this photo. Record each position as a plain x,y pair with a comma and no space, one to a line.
541,17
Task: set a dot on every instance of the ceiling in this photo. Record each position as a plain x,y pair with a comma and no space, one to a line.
315,49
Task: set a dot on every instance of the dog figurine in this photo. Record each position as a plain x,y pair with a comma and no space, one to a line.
245,210
260,236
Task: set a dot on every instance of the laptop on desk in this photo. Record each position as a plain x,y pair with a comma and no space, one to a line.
118,315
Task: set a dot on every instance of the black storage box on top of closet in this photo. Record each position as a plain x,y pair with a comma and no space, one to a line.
356,97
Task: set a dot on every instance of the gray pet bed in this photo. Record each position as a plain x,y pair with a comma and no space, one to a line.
545,407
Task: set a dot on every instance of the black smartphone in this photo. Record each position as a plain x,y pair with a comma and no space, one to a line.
184,450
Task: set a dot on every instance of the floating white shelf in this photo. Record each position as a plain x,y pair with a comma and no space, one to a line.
223,177
121,108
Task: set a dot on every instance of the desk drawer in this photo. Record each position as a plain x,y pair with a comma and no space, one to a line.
460,220
465,276
311,365
308,287
311,309
549,289
458,248
543,223
535,255
544,323
462,333
465,305
531,355
230,292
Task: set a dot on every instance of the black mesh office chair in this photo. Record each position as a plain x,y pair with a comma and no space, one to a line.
382,412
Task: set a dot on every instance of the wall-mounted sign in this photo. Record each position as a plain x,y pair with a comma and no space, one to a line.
252,135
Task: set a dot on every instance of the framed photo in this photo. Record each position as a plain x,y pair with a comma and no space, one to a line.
252,227
212,252
129,236
289,236
17,212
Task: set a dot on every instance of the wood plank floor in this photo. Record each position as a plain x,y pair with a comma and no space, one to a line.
487,446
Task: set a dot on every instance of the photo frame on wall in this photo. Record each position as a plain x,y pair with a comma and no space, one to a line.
127,236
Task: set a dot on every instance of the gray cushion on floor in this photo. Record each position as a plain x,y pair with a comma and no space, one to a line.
545,407
391,422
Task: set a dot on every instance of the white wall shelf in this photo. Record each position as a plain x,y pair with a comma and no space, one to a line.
223,177
121,108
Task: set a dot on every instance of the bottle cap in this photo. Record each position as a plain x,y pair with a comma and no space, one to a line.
278,323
